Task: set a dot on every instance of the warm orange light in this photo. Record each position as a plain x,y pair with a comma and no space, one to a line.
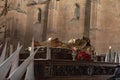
110,47
49,39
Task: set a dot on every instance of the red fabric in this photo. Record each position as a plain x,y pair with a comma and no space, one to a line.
83,56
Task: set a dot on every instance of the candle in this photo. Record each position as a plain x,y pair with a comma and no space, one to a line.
48,49
74,52
110,54
110,47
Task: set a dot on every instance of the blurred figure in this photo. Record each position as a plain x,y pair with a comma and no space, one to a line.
117,74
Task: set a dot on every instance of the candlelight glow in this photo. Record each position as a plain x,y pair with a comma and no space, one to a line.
110,47
29,48
71,41
49,39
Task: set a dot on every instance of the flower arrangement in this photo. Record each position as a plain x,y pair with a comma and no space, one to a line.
82,48
83,56
80,55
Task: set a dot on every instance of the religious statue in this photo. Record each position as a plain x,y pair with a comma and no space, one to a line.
83,49
82,45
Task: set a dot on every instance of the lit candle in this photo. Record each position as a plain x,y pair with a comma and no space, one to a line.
110,48
48,49
74,52
110,55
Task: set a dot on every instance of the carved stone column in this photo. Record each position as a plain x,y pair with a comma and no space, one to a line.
87,18
94,23
52,19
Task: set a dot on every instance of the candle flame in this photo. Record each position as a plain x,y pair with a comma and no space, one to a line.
110,47
49,39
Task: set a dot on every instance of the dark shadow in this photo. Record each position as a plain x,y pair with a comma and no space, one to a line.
44,33
39,15
87,18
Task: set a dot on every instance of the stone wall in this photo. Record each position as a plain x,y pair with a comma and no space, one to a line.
105,25
14,22
58,19
36,28
62,19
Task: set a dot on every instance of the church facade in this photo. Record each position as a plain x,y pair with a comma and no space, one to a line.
20,20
